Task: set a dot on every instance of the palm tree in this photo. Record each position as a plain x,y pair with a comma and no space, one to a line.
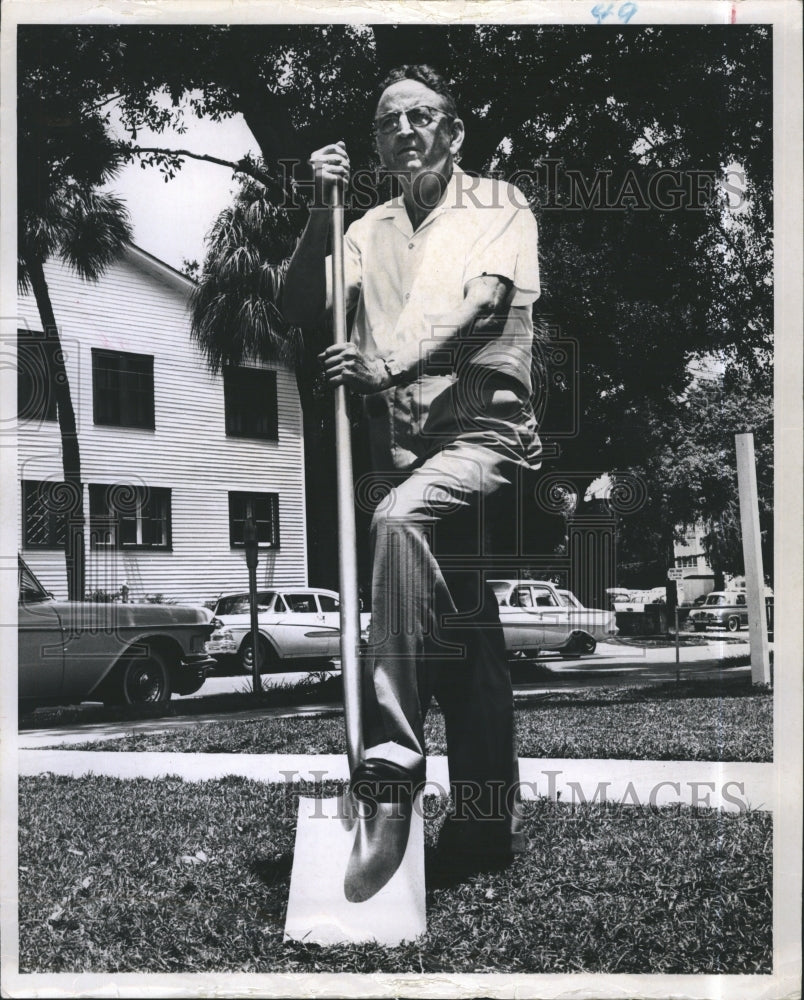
87,230
236,319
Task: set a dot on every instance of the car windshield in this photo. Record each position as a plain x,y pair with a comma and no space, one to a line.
568,599
237,604
31,590
715,600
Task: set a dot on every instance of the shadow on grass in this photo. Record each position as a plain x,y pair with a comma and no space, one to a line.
274,874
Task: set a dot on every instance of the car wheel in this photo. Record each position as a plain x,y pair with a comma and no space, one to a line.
733,623
581,644
186,685
267,656
145,680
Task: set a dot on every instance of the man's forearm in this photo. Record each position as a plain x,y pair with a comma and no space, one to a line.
304,298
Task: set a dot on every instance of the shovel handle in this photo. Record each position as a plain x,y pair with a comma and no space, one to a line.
347,533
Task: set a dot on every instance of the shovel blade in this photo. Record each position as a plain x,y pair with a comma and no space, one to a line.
335,843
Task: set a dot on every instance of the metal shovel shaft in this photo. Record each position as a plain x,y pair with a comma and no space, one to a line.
347,533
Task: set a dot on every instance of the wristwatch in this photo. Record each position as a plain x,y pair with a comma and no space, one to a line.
395,371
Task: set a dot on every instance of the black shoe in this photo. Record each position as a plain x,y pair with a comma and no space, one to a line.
378,780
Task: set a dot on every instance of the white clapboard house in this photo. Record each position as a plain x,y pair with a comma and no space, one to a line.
170,454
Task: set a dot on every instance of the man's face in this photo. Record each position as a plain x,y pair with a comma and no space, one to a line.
415,150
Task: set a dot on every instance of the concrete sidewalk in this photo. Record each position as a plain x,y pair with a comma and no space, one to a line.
732,786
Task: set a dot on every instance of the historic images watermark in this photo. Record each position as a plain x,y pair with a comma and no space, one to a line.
473,802
550,185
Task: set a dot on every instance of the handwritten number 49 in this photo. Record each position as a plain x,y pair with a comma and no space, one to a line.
601,11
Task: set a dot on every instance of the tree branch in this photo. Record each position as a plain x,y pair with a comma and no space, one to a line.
102,104
244,166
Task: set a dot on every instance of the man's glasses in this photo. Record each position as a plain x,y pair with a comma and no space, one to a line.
418,117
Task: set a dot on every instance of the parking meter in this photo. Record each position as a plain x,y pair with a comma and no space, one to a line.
250,542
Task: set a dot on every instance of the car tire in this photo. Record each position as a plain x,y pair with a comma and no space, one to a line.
268,658
143,680
733,623
581,644
186,685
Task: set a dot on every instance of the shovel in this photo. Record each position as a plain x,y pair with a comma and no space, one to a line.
358,868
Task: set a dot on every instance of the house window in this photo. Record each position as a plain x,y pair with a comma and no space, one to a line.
46,507
250,402
35,397
124,516
123,389
264,509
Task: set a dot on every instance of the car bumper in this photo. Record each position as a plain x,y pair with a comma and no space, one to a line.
221,647
198,663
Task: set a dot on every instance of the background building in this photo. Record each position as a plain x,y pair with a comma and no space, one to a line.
171,455
690,557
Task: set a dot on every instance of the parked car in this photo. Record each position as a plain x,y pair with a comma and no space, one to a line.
617,595
721,609
655,595
300,628
685,608
135,654
537,616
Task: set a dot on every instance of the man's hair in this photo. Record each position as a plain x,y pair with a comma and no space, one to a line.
426,75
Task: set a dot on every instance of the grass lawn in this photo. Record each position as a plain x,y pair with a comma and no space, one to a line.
691,721
163,876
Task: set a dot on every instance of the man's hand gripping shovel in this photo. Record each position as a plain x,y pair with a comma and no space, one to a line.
358,867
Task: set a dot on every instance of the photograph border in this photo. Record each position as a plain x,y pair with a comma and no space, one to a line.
786,18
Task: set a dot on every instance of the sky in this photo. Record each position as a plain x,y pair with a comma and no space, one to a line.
171,219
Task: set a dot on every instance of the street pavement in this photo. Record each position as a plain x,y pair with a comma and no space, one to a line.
612,663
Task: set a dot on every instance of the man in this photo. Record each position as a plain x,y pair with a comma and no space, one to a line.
440,282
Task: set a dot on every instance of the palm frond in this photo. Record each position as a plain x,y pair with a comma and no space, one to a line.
84,228
97,228
235,314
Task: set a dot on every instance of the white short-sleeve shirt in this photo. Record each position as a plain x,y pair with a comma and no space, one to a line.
399,282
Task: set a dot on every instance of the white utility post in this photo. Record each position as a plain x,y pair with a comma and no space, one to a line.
752,556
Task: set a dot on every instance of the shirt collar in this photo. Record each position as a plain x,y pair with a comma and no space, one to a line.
396,211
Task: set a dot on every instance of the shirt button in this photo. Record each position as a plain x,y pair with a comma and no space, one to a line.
410,246
407,296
